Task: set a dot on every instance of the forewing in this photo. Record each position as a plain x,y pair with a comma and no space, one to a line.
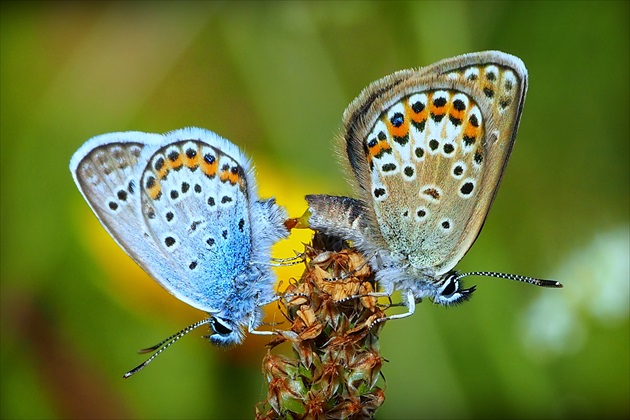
432,150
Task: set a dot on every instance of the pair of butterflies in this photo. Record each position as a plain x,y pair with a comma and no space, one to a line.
427,148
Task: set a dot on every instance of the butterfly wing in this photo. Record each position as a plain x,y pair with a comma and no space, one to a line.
428,149
178,204
107,170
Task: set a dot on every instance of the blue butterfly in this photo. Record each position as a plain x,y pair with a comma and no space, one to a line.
184,206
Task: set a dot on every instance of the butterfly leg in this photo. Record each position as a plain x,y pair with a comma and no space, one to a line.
252,330
255,320
299,258
410,303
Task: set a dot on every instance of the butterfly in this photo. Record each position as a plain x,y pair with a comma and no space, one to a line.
427,148
184,206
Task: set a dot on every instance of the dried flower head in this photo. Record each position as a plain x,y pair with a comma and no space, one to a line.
336,360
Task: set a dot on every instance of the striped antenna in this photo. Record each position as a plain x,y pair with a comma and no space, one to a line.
164,344
515,277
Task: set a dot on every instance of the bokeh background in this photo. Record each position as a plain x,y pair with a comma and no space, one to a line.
275,78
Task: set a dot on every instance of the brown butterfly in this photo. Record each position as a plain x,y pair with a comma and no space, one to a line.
427,148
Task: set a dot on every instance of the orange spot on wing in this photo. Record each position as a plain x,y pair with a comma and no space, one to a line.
234,178
432,109
379,147
154,191
228,175
162,172
225,175
375,149
455,113
210,169
419,117
194,162
471,130
437,111
401,131
175,164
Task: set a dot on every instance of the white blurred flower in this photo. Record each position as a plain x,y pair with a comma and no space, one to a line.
597,289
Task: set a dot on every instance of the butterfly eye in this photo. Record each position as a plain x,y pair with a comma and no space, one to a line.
451,292
450,287
220,327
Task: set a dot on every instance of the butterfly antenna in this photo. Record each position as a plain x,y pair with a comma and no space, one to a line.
164,344
516,277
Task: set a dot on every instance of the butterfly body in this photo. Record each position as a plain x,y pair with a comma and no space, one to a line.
427,149
184,206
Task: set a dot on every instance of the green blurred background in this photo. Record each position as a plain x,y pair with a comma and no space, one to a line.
275,78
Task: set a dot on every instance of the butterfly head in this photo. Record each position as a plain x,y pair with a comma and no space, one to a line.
225,333
450,290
